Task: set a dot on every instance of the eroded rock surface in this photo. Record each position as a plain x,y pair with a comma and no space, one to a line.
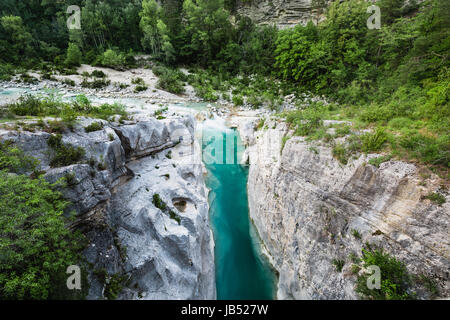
153,253
305,205
283,13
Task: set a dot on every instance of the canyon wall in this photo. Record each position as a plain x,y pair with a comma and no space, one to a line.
149,251
306,205
282,13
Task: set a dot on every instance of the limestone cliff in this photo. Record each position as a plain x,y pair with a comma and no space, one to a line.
306,205
283,13
163,252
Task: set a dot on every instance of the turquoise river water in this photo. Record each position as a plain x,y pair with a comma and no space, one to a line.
242,272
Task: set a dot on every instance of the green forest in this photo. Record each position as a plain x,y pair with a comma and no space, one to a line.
394,80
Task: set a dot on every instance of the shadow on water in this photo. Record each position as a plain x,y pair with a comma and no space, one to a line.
241,271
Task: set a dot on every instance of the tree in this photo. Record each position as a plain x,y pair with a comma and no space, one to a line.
18,38
156,35
149,26
74,56
35,246
207,29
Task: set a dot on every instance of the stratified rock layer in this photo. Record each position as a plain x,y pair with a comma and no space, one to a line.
306,206
282,13
111,190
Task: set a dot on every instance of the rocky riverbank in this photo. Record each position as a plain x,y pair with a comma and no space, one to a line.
306,206
139,196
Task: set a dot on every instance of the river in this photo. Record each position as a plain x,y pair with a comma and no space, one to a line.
242,272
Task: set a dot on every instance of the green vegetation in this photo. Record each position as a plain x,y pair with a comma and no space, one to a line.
35,246
34,106
428,283
355,269
98,74
379,160
114,286
339,264
157,202
160,204
174,216
138,81
13,159
356,234
394,81
95,84
170,80
65,154
94,126
436,198
395,279
160,111
402,90
372,142
140,88
73,55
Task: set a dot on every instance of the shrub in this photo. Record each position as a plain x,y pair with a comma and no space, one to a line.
112,59
355,269
174,216
395,279
170,80
435,197
356,234
160,111
428,283
95,84
260,124
94,126
373,141
138,81
13,159
98,74
428,149
114,286
6,72
65,154
140,88
74,55
26,78
35,246
339,264
379,160
158,70
27,105
341,153
69,82
157,202
206,92
238,100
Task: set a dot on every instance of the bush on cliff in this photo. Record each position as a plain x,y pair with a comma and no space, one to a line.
395,279
35,246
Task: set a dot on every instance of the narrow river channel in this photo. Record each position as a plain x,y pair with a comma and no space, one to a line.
242,272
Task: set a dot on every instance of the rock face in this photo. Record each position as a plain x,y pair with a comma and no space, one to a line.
155,253
306,206
282,13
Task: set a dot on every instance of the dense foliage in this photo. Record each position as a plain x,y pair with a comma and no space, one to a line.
36,247
395,280
395,78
